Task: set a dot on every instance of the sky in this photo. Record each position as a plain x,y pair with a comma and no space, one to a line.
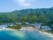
11,5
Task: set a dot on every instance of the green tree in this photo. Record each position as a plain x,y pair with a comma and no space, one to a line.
23,23
17,27
9,26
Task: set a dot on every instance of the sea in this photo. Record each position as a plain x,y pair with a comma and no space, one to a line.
23,35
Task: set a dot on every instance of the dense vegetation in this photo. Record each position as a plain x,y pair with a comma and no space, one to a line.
30,15
15,26
23,23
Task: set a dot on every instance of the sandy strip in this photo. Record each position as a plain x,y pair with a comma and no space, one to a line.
46,33
8,29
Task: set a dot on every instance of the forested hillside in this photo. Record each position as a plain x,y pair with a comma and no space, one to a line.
30,15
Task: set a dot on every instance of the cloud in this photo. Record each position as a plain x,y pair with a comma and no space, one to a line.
24,2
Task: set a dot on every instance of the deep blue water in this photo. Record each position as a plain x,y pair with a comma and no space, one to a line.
23,35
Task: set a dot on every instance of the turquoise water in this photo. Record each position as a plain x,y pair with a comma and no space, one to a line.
23,35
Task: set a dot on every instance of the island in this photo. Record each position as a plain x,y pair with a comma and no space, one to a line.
40,20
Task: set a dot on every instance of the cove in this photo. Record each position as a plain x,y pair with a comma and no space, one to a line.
22,35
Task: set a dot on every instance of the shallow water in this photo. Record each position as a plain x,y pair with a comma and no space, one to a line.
22,35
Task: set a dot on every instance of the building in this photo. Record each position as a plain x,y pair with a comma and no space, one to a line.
46,28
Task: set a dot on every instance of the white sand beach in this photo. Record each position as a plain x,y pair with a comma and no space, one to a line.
46,33
8,29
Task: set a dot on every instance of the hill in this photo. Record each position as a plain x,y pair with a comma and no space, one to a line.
30,15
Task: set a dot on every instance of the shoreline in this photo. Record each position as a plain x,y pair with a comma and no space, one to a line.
29,28
46,33
8,29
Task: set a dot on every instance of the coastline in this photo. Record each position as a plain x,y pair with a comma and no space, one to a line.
29,28
8,29
46,33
